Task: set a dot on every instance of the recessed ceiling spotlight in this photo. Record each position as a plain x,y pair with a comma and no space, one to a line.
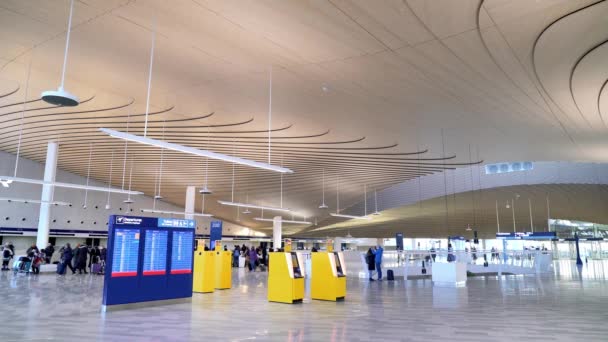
107,207
323,206
158,197
325,88
205,191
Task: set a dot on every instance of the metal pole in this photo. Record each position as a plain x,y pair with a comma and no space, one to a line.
531,222
513,211
497,220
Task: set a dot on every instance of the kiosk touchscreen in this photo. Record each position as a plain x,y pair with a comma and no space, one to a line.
285,278
328,280
203,278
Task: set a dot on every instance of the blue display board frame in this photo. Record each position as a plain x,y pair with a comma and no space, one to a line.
129,287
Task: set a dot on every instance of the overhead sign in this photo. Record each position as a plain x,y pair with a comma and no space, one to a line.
176,223
526,236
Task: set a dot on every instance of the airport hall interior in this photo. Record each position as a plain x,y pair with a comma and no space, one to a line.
304,170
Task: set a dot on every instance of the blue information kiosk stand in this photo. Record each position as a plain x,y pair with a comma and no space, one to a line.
149,260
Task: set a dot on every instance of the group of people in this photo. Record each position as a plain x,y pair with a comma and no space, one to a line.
76,258
254,256
373,258
32,260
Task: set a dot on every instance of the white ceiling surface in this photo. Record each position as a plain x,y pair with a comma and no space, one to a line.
394,71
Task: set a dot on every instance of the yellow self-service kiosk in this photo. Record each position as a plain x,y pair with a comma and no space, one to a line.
223,267
328,277
203,278
285,277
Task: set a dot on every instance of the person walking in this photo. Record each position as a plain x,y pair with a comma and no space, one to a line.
253,258
7,255
67,256
81,259
378,259
370,259
235,256
48,253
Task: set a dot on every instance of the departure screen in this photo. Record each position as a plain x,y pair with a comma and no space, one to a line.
155,252
126,253
182,251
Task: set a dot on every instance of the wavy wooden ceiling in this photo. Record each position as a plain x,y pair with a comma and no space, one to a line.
360,88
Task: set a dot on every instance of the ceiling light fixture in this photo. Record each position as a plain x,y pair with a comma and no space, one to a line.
253,206
282,221
205,190
6,182
68,185
168,212
376,213
351,216
194,151
323,205
62,97
27,201
337,213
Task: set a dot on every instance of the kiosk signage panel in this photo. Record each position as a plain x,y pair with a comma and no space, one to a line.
155,253
148,270
215,232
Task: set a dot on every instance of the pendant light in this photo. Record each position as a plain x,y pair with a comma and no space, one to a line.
376,212
247,211
337,213
110,180
205,190
160,170
323,205
86,192
62,97
129,201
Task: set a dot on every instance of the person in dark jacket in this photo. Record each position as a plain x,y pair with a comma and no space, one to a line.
48,253
103,252
32,251
253,258
94,254
370,259
7,255
81,259
66,257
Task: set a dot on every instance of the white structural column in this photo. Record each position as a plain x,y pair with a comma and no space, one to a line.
277,227
338,244
189,204
50,172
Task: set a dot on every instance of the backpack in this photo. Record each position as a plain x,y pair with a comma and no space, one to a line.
7,254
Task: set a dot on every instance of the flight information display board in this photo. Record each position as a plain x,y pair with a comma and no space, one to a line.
126,253
182,251
155,252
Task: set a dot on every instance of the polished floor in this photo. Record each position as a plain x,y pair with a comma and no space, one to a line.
571,305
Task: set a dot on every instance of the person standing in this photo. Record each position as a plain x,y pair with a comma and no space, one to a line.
67,256
48,253
371,261
7,255
378,258
235,256
81,259
253,258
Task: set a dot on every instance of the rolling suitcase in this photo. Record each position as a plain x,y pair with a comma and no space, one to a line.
96,268
390,275
61,268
